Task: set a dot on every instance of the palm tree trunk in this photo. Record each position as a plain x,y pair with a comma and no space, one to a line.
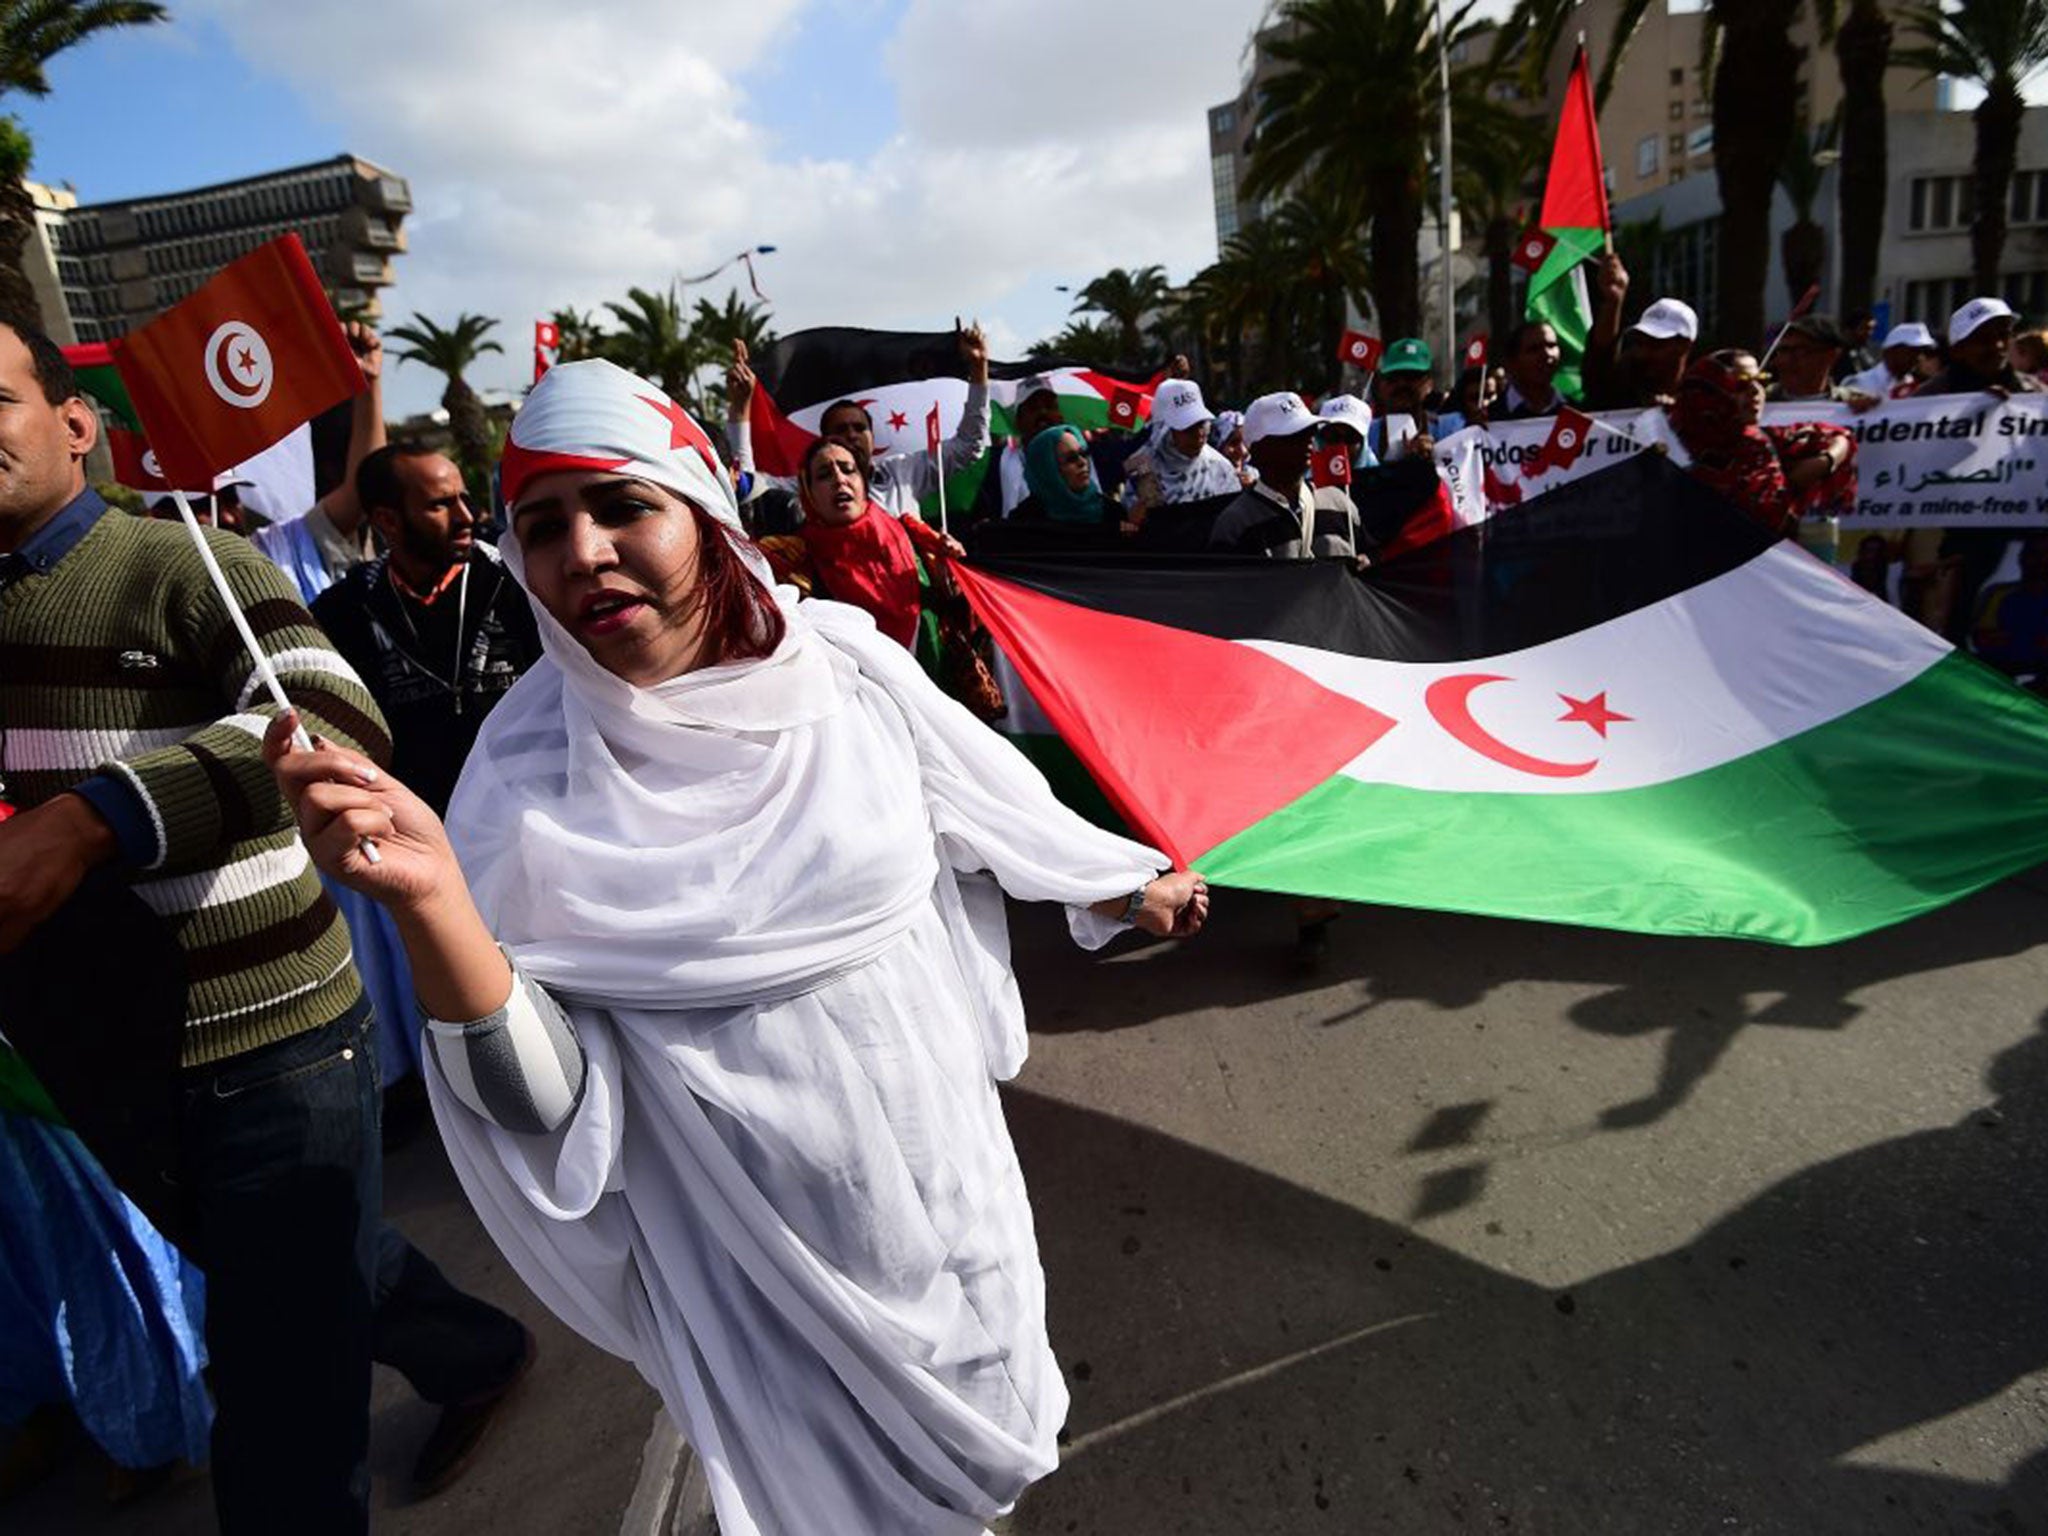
1998,119
1862,48
1396,264
470,428
1803,250
1755,118
1500,278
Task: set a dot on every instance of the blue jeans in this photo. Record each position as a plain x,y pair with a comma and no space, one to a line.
280,1169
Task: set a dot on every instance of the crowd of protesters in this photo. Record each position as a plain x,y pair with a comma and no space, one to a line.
405,629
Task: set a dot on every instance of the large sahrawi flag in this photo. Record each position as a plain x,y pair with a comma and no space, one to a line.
1620,705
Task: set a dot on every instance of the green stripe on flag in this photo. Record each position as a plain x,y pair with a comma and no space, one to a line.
104,385
1805,842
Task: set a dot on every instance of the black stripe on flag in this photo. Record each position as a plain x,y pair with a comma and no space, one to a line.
1600,547
840,362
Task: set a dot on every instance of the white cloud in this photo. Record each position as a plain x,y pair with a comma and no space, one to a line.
557,158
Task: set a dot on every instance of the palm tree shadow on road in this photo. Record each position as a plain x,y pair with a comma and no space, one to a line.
1699,993
1248,1356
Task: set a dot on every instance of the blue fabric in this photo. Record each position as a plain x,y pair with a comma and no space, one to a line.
121,808
96,1309
387,978
293,549
60,535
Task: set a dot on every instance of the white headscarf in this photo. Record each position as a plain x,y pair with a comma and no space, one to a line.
681,845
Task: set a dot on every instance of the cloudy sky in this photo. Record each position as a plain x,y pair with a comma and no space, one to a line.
911,160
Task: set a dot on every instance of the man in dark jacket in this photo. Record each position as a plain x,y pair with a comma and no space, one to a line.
436,626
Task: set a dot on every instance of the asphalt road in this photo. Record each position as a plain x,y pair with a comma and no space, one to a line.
1487,1227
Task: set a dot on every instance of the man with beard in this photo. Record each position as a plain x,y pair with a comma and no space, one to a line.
436,627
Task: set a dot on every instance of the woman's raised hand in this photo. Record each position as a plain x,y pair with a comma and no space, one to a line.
1176,906
340,798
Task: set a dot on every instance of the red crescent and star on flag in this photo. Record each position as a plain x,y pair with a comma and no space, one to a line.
1449,701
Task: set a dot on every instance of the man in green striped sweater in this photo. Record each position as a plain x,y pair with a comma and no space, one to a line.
131,723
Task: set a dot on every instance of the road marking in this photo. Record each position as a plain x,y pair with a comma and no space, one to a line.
1081,1444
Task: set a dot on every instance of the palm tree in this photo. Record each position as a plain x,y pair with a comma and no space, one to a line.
1756,117
656,342
32,32
1996,43
1124,298
1328,266
1863,49
1491,173
1090,343
1351,118
720,325
1803,248
452,352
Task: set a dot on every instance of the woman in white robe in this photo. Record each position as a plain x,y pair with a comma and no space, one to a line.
730,1109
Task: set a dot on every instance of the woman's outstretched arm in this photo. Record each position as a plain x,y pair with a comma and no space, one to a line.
341,798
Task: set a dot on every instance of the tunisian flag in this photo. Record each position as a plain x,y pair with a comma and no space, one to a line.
221,376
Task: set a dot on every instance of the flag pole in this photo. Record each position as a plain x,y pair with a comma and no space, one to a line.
265,672
939,467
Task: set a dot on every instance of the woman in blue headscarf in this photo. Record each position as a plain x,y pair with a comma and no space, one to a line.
1062,485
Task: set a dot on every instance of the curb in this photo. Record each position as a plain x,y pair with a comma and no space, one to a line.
671,1497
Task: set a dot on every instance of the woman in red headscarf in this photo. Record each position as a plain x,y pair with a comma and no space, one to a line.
1775,474
851,550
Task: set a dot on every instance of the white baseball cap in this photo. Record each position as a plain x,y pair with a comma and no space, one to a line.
1911,334
1347,411
1974,314
1668,318
1281,415
1177,405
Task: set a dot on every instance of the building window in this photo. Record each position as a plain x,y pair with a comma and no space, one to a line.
1678,111
1223,120
1646,156
1700,141
1678,77
1946,202
1675,147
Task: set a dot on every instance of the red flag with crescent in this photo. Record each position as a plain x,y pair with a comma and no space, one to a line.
225,373
1360,351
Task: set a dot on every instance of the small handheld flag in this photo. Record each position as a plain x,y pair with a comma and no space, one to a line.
1567,440
935,448
135,462
1475,351
1331,465
220,376
547,343
1533,249
1123,409
1360,351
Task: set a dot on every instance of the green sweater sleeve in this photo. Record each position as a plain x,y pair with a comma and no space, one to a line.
212,789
